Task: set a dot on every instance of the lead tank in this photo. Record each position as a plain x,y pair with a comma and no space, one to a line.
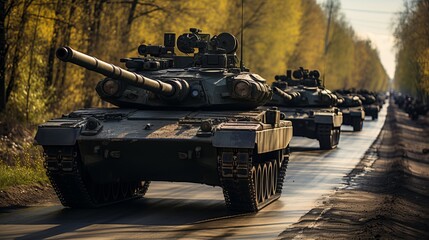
178,118
351,108
309,106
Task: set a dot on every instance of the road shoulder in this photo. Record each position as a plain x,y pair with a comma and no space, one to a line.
385,196
38,194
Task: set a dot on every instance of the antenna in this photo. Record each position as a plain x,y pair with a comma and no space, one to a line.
241,36
327,39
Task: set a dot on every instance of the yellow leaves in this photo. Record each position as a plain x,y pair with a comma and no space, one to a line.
424,69
309,50
278,34
412,69
272,28
273,38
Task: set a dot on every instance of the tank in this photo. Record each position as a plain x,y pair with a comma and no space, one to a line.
381,98
369,101
309,106
178,118
351,108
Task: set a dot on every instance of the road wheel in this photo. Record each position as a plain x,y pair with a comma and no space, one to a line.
357,124
270,179
326,141
275,177
259,184
116,189
265,180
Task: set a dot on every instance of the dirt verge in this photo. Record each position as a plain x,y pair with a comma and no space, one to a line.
28,195
385,197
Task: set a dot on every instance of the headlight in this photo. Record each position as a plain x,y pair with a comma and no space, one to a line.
110,87
242,89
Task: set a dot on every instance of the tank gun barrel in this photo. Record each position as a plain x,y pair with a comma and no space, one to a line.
68,54
286,96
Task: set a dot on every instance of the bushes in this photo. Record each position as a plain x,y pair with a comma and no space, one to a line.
20,175
20,161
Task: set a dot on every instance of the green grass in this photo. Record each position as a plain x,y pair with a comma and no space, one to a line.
21,162
22,165
21,175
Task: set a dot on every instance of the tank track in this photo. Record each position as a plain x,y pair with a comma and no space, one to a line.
357,124
374,116
74,187
239,175
328,136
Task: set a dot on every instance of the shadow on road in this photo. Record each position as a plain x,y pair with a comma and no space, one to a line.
146,211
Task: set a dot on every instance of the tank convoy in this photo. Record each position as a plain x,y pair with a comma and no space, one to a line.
381,98
370,104
309,106
352,109
201,108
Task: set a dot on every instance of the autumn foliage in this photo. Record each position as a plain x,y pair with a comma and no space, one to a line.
278,34
412,43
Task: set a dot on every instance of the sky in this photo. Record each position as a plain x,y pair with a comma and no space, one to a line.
373,19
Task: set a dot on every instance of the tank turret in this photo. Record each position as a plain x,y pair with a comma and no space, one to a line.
161,79
306,88
347,100
171,89
352,108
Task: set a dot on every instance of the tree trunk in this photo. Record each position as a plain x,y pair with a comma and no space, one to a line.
66,41
16,56
30,70
127,30
60,69
93,42
2,55
53,46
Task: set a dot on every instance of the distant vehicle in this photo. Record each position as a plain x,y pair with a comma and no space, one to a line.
369,101
310,107
351,108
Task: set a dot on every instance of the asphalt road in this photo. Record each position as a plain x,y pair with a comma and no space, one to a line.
192,211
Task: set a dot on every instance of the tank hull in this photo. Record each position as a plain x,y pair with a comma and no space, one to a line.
322,124
372,110
353,116
132,145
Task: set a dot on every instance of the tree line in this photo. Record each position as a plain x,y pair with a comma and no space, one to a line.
278,34
412,43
